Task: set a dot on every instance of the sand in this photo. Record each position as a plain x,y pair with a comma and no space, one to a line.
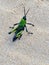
30,49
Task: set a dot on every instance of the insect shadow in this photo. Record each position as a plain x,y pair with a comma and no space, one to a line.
21,26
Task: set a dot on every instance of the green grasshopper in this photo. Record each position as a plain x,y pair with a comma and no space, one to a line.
21,26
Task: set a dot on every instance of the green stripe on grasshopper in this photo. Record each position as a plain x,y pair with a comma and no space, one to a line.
18,35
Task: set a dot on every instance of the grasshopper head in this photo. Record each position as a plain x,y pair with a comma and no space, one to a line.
24,17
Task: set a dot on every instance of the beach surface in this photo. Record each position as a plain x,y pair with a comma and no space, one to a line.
30,49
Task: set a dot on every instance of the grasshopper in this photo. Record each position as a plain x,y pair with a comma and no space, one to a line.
21,26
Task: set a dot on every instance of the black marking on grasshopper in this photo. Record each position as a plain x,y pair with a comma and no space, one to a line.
21,26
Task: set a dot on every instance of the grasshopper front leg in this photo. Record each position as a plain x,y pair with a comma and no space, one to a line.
28,32
30,24
11,27
16,24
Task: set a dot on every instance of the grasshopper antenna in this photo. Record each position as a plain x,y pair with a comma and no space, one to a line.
24,10
27,11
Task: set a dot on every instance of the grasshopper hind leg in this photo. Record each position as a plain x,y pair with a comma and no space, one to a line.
20,36
9,32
